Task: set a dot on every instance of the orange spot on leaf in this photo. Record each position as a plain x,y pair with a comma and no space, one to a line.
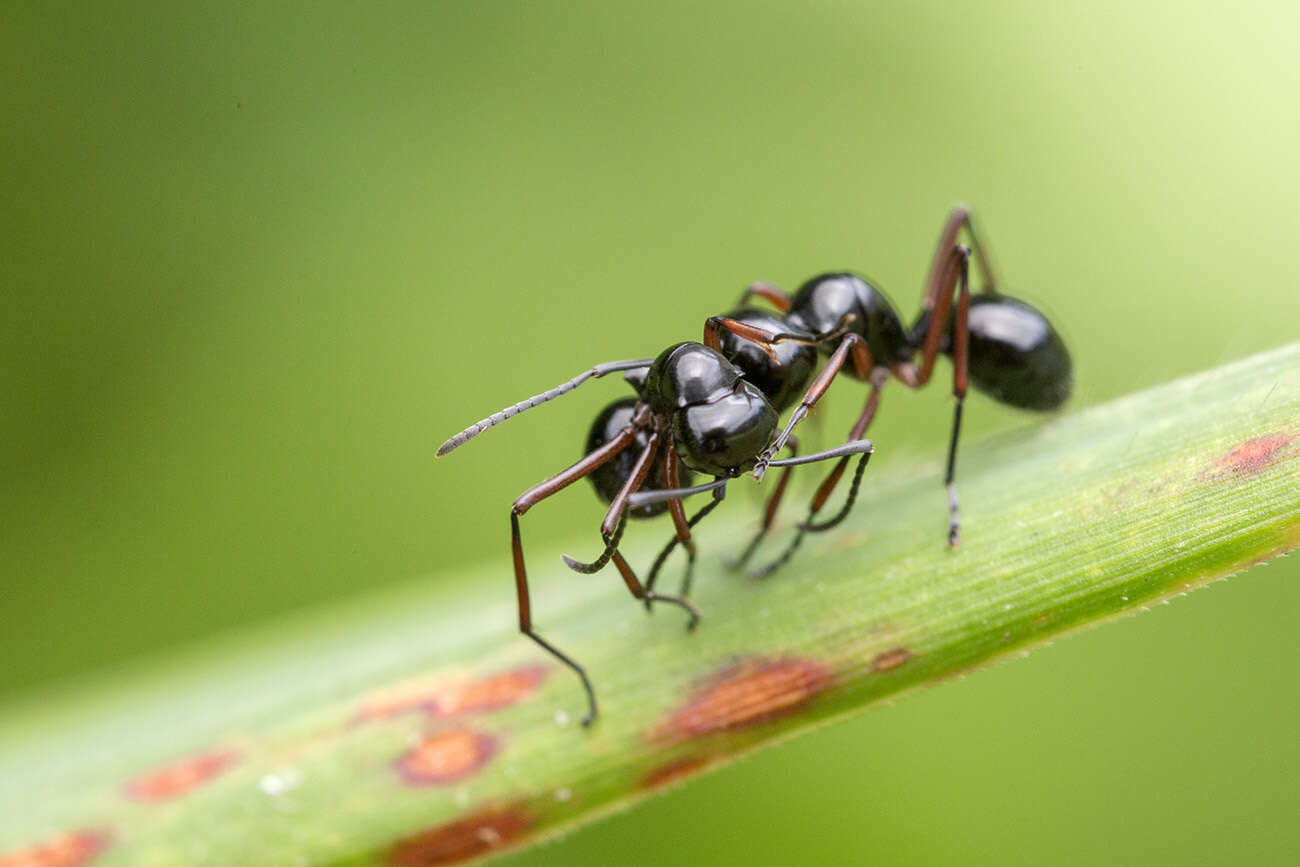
745,694
446,757
180,777
443,697
1255,455
674,771
461,840
417,694
66,850
891,658
488,693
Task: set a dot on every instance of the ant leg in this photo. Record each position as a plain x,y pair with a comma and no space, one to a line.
640,592
961,360
777,297
824,491
522,504
611,529
844,452
719,493
763,338
769,512
852,343
681,526
959,218
955,275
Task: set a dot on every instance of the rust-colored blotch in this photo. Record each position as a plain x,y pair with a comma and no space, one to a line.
745,694
490,693
180,777
66,850
446,757
891,658
461,840
1256,454
676,770
410,695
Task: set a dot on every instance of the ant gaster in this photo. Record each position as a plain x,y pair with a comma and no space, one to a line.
693,408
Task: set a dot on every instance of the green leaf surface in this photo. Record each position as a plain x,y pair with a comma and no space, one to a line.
420,728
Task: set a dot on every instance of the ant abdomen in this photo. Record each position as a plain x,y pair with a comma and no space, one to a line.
610,477
1016,356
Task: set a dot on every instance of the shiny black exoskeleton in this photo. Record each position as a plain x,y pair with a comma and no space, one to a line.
1016,356
1002,346
720,422
694,409
784,373
608,479
713,407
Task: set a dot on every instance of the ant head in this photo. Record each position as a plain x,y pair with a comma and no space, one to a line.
725,436
686,374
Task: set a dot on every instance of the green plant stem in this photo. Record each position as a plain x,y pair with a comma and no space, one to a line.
1065,524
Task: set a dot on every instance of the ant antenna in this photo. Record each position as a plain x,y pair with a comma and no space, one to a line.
511,411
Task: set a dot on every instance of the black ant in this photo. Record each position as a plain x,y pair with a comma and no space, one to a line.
693,407
714,407
1006,348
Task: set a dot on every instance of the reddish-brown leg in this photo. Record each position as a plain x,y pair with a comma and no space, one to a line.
955,275
769,512
522,504
851,346
640,592
611,529
827,487
819,499
672,543
681,526
777,297
959,218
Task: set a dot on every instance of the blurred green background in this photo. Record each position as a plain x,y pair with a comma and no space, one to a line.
258,261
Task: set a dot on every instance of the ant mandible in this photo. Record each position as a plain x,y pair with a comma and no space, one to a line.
1006,348
698,410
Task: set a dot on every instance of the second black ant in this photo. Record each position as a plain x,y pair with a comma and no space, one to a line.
1003,346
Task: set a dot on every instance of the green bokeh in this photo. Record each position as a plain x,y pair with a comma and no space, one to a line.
257,261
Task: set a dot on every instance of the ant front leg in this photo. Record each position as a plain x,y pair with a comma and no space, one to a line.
936,306
611,529
719,492
774,295
526,501
851,345
824,490
639,591
843,453
681,526
769,512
